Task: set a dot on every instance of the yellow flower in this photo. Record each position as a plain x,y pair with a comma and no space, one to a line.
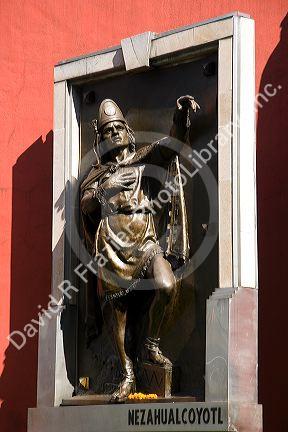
142,396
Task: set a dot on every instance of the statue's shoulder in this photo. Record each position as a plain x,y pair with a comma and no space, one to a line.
146,151
93,175
151,151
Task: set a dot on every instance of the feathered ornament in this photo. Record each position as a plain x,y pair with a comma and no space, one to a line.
94,125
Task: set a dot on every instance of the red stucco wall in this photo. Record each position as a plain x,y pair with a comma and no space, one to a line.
34,36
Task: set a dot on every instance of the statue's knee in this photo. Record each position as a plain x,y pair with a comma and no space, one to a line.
167,288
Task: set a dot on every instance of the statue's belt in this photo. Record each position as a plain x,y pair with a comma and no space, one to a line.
123,212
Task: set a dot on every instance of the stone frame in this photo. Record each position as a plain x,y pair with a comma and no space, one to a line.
236,297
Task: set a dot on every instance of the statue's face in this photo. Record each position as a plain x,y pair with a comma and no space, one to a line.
115,133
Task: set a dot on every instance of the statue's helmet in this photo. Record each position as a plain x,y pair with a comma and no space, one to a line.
109,112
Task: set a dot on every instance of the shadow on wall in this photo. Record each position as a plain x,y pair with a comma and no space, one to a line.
272,157
30,278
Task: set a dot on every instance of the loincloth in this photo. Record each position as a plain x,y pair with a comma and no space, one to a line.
126,244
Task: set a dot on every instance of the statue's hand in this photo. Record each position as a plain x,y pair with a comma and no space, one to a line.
119,181
187,102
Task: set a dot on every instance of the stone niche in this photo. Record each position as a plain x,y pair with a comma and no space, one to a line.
213,337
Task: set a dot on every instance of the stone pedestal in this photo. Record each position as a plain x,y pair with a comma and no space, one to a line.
177,416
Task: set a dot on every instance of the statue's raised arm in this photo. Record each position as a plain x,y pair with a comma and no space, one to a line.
185,105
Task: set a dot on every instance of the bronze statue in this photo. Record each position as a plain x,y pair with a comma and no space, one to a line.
122,232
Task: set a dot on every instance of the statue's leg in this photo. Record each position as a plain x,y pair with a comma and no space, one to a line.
115,316
164,282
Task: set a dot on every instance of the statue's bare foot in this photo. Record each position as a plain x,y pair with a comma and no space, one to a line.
153,354
125,388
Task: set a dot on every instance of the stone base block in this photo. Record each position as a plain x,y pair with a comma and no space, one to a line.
245,417
169,417
154,379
